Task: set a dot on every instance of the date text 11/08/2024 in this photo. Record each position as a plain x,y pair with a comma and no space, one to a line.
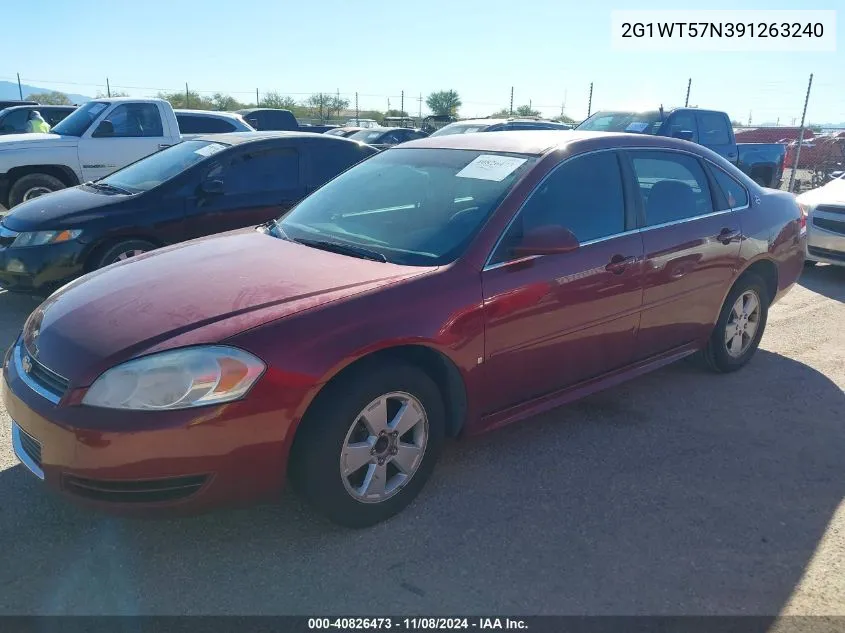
416,624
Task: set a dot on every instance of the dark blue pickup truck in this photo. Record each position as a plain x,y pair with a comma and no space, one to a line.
763,162
278,119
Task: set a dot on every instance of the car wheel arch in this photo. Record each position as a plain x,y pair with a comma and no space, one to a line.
100,247
437,365
761,266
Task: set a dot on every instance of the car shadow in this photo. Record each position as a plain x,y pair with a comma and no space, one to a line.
826,280
681,492
14,308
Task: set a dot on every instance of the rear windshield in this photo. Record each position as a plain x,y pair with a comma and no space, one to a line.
636,122
367,136
461,128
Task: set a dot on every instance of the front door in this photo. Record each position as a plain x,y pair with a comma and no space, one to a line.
691,246
253,186
714,133
129,132
555,320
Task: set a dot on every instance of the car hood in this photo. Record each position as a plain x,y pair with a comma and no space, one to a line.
831,193
19,141
66,208
197,292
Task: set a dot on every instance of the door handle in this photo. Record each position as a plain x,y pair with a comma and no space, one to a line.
732,155
726,236
618,264
163,145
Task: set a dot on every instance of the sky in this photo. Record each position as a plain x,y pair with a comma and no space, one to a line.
549,51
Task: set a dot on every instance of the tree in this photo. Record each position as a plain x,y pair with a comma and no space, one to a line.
563,118
325,106
225,102
401,113
193,101
526,110
277,101
103,95
376,115
444,102
53,97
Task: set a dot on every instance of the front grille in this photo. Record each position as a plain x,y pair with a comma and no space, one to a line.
39,378
829,208
47,378
135,491
829,225
827,254
30,446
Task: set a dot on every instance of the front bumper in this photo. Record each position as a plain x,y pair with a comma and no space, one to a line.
825,246
148,463
40,269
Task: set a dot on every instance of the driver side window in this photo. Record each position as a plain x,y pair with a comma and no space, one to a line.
584,195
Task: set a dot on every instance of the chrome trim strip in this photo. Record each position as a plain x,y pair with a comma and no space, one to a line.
29,382
25,459
712,214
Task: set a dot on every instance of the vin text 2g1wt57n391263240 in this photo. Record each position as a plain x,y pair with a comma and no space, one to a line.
440,288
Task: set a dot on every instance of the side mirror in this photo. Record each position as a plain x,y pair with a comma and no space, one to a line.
684,135
212,187
546,240
106,128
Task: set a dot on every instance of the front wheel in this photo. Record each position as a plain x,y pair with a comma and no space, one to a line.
368,444
32,186
121,251
740,326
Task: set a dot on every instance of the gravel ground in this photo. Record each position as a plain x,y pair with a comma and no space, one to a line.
681,492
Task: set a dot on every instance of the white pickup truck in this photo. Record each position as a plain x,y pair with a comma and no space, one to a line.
98,138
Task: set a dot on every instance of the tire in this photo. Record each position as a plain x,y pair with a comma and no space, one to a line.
31,186
122,250
716,355
330,426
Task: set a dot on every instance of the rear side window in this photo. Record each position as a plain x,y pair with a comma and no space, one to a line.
583,195
192,124
262,170
713,129
673,186
328,160
734,193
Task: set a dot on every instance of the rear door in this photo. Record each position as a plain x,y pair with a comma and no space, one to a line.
556,320
257,186
691,249
714,132
128,133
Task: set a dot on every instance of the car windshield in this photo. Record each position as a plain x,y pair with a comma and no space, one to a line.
367,136
80,119
636,122
414,206
461,128
160,167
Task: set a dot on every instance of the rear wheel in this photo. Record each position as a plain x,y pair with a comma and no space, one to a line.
740,326
368,444
31,186
122,251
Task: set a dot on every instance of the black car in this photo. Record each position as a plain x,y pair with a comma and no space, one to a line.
15,102
198,187
13,120
382,138
469,126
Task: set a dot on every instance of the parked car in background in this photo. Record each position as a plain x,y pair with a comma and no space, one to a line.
14,102
400,121
382,138
362,123
763,162
96,139
446,287
825,209
14,120
198,187
279,120
195,122
498,125
344,131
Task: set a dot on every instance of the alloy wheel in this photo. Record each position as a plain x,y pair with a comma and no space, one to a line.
742,323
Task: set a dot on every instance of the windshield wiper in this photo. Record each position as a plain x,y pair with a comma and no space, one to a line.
102,186
343,249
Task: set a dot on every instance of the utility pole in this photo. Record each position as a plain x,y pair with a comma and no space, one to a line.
108,87
511,110
257,100
749,118
356,109
321,107
402,104
590,101
420,115
800,135
20,90
187,96
689,85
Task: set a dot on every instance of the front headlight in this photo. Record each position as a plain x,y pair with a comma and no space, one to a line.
177,379
39,238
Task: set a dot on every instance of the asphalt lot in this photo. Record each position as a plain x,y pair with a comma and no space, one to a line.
681,492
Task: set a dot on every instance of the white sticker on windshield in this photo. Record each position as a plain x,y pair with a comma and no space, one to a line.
491,167
637,126
210,149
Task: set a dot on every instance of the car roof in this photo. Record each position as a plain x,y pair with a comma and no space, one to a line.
239,138
245,111
210,113
38,107
541,142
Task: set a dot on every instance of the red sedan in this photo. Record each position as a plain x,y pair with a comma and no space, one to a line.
442,288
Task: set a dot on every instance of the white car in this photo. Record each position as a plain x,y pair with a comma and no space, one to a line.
365,123
201,122
825,209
